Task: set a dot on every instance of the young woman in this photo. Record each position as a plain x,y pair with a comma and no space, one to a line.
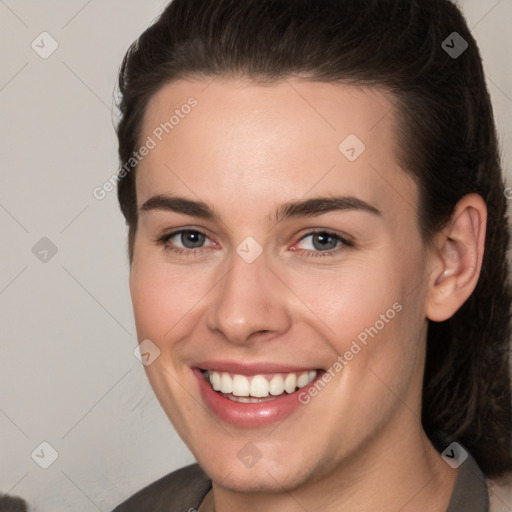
317,244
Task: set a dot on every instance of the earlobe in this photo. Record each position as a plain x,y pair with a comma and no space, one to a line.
457,259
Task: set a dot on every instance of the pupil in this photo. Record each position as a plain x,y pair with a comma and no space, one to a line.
323,240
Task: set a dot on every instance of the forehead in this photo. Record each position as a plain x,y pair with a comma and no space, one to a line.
285,138
327,107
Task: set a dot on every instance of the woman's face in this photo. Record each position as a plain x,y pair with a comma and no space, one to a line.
303,256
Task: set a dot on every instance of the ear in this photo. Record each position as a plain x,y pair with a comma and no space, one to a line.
457,259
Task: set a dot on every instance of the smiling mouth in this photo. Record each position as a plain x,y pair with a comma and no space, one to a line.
257,388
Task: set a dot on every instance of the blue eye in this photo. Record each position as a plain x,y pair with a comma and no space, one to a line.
324,243
194,238
191,240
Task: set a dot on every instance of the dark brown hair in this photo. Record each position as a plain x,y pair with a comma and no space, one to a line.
448,144
12,504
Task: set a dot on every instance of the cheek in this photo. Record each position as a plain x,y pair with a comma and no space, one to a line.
344,302
163,295
368,316
370,310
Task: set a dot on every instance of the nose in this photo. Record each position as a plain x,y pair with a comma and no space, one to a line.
250,302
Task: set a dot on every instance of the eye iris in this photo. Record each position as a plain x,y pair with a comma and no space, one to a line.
323,240
196,239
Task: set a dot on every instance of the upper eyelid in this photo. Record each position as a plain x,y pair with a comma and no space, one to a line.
173,233
331,232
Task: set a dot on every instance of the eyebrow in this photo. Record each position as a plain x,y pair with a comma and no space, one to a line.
293,209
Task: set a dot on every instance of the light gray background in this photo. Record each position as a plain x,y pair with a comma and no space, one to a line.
68,375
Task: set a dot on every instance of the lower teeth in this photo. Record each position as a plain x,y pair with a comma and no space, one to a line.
248,399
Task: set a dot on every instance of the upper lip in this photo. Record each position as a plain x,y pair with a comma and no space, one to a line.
251,368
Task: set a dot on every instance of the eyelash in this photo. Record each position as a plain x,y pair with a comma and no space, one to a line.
344,243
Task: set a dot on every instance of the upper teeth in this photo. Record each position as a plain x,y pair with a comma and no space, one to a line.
259,386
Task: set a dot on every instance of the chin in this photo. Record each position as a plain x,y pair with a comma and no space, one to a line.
247,480
265,476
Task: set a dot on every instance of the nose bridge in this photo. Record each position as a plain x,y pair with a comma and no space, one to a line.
248,300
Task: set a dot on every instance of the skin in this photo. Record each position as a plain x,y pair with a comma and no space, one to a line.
245,150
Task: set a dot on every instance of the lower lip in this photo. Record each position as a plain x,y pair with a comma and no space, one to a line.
249,415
